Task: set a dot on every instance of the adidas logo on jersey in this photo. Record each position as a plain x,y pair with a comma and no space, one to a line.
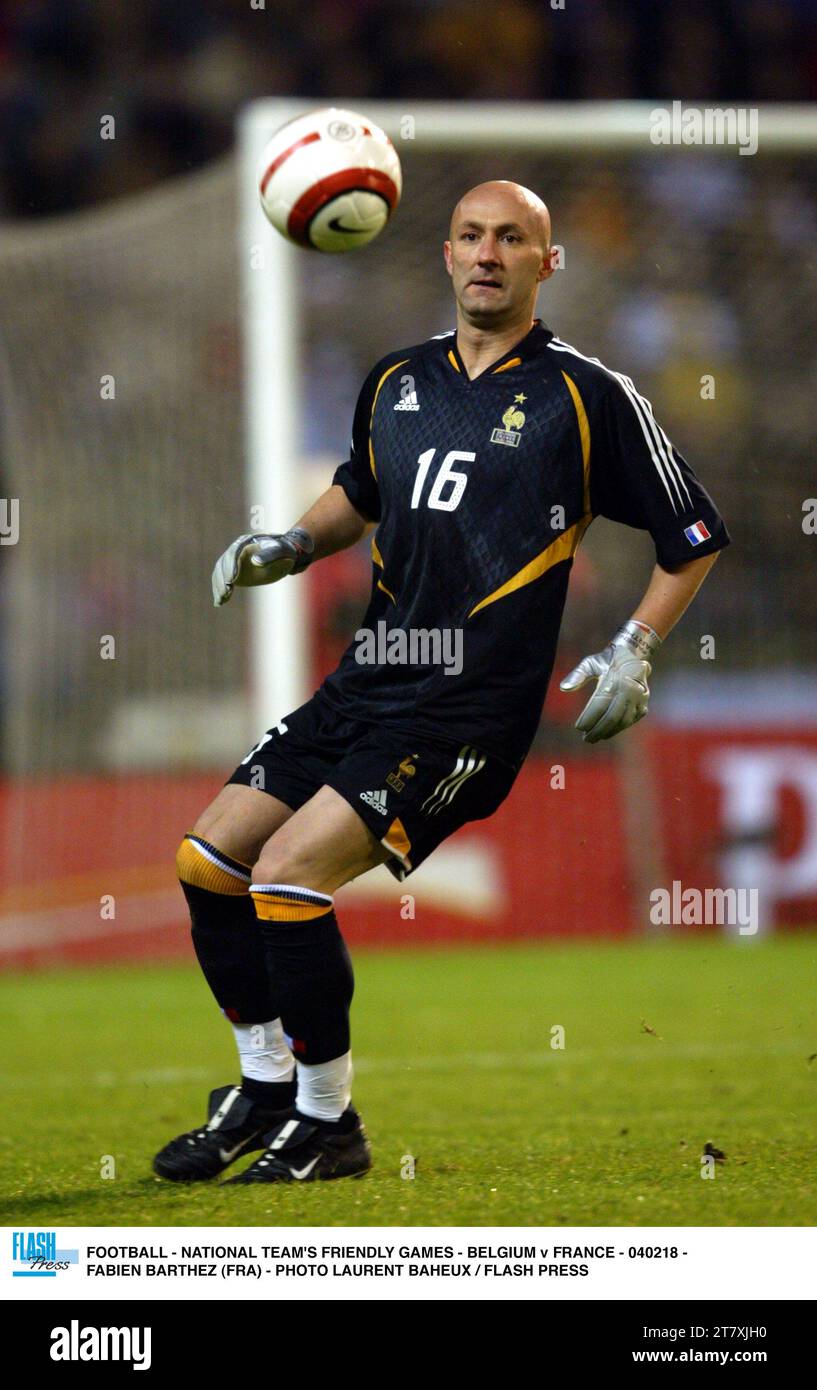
408,402
376,800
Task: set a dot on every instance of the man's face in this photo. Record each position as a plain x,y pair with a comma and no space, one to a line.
497,256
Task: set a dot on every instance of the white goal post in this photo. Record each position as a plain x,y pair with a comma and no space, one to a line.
271,272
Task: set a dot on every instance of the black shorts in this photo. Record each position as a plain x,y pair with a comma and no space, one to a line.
411,793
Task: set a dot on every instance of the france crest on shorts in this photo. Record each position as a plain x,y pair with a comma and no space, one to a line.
696,533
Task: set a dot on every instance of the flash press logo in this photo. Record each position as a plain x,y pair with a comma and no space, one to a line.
35,1255
75,1343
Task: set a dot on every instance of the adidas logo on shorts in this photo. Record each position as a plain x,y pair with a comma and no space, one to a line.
375,799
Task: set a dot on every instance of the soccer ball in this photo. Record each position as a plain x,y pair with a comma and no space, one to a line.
330,180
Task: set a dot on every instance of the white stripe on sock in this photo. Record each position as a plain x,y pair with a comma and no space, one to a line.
311,893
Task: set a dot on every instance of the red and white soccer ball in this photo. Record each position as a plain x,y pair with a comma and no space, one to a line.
330,180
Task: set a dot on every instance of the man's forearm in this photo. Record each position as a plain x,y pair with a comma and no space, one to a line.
621,670
669,593
256,558
333,523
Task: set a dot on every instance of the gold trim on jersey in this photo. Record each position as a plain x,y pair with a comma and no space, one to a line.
396,840
562,548
584,435
378,560
386,374
506,366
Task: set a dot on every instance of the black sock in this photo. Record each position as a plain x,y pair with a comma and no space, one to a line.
270,1095
347,1121
230,951
311,984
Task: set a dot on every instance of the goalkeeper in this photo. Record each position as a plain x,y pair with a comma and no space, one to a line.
481,457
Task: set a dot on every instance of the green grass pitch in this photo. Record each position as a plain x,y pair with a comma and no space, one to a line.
667,1045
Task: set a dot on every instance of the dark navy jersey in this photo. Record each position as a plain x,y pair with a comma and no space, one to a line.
481,490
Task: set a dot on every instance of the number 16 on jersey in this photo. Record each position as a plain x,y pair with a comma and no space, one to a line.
445,474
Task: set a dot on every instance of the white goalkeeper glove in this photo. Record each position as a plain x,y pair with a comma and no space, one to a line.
621,670
260,559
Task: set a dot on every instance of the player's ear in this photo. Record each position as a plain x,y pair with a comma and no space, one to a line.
550,261
447,256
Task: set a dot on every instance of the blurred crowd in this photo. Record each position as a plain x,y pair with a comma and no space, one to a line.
173,73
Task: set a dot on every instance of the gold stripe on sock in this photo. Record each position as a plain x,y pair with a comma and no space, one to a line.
193,867
277,907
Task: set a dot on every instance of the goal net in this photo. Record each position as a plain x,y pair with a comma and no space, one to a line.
121,445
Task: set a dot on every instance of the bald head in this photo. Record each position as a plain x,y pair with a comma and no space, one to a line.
498,254
502,199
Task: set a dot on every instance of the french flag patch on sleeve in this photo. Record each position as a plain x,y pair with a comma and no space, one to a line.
696,533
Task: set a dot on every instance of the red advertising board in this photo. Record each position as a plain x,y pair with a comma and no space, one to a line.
738,807
89,862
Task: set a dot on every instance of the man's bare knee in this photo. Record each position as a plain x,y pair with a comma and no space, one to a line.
240,820
311,866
